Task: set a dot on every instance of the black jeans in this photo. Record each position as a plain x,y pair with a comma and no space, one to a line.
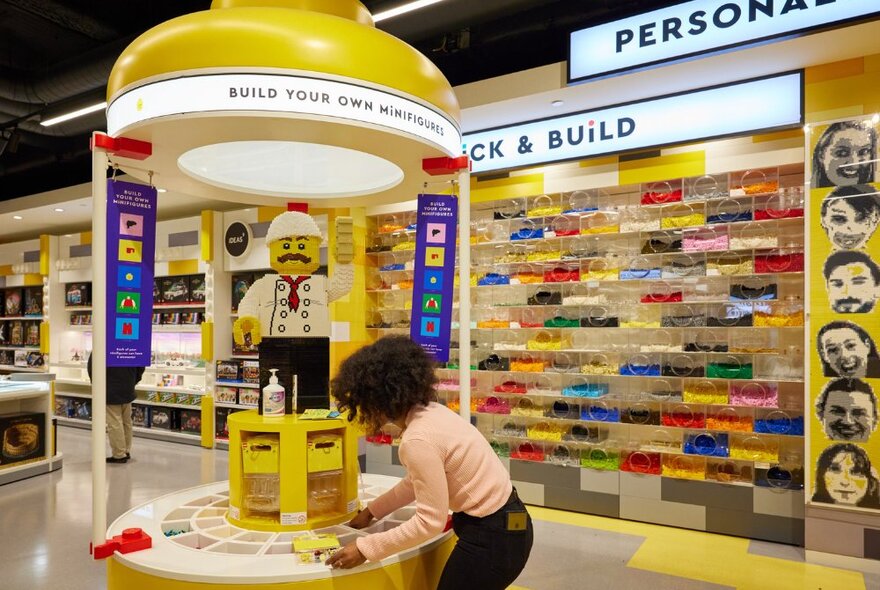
487,556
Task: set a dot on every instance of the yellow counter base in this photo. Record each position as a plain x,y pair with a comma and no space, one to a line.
419,572
204,549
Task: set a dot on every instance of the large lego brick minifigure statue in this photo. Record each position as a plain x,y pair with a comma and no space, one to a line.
287,314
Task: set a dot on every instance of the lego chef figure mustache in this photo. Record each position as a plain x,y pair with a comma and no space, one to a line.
286,314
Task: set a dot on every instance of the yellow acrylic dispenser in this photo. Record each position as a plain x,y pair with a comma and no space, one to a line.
287,473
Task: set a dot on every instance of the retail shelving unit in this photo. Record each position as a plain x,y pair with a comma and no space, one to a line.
24,292
33,452
634,342
173,388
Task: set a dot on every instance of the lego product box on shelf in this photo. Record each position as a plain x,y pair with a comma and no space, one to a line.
4,333
167,398
13,302
61,406
35,360
221,419
140,415
164,418
244,349
174,289
191,318
81,319
250,371
16,333
7,357
33,301
80,408
190,421
225,395
249,397
23,437
197,288
171,318
240,285
20,358
77,294
228,371
32,334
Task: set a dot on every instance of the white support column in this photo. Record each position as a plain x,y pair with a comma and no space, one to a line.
464,293
100,162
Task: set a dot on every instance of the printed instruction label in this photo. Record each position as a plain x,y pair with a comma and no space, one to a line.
352,505
234,512
290,518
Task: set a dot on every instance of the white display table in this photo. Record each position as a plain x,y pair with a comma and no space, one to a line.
204,549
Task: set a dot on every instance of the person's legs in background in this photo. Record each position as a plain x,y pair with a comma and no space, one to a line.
126,427
116,432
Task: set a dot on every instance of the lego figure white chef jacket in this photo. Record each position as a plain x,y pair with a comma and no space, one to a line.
286,314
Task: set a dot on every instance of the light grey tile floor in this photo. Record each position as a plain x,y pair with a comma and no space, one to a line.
45,521
569,557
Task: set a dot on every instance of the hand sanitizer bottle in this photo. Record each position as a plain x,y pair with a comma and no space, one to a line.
273,397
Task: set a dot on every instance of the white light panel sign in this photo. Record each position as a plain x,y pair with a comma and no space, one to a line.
745,107
698,27
287,94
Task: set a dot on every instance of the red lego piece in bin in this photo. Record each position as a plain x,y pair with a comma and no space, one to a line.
129,541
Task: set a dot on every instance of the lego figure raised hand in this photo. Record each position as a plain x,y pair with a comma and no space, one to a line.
287,314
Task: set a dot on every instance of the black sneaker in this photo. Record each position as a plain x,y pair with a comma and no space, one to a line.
115,460
128,455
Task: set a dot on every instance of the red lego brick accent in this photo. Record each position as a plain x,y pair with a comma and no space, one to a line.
123,147
445,166
129,541
298,207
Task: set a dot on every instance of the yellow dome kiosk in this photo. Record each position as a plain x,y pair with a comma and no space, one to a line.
260,102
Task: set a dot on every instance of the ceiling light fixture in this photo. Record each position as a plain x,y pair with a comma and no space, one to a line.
403,9
557,103
161,190
74,114
59,210
17,217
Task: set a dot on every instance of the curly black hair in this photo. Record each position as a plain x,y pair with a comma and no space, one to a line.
384,381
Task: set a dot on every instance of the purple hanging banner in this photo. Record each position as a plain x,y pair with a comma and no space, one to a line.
131,250
434,281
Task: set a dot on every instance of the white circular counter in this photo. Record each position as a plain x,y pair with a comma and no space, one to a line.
194,545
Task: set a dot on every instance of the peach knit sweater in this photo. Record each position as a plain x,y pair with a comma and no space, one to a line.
449,466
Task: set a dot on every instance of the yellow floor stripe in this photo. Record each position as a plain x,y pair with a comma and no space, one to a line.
708,557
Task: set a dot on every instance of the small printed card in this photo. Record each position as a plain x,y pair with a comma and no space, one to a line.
318,414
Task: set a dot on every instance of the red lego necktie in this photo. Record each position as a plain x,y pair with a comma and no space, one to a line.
293,299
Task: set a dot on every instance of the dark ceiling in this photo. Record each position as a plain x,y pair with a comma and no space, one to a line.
55,57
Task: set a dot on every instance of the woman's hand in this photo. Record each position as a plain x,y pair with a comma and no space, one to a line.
347,557
363,518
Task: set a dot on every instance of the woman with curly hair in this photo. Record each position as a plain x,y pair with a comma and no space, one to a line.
450,466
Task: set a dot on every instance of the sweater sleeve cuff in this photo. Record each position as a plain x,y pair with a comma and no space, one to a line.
367,549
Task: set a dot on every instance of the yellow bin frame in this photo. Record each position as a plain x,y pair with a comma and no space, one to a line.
293,434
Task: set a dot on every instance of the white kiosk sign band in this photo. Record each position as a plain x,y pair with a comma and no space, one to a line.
758,105
282,94
701,27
